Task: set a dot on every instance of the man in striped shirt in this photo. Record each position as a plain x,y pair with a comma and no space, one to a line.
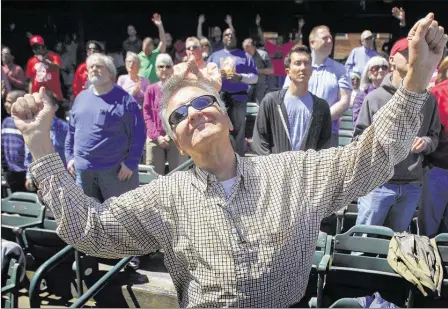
13,147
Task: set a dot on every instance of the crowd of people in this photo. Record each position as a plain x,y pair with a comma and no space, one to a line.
117,122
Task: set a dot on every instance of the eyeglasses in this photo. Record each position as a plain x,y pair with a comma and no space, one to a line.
164,66
376,68
199,104
193,47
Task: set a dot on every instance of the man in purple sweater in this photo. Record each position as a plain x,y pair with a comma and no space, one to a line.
106,134
238,72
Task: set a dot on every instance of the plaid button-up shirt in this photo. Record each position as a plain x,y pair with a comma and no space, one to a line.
254,249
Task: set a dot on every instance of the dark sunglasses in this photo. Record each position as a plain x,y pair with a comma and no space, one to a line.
199,104
376,68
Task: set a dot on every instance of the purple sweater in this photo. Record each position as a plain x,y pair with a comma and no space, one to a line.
105,130
357,102
151,110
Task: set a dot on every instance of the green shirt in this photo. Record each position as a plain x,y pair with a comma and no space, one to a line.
148,65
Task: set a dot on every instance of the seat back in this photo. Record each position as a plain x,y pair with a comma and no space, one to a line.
346,125
359,266
321,247
23,204
374,249
146,178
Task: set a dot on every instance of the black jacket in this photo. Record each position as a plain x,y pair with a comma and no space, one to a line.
270,135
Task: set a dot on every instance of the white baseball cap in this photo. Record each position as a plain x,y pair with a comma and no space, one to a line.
365,34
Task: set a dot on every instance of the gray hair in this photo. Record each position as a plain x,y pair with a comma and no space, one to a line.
108,62
132,56
365,79
174,84
164,59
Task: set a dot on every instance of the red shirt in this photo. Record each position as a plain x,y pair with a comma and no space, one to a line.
80,80
441,92
277,53
42,75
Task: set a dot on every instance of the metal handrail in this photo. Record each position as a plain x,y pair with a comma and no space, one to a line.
104,280
54,261
101,283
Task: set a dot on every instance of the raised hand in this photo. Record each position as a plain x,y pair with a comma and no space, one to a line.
426,43
157,19
257,20
399,14
228,20
201,19
33,115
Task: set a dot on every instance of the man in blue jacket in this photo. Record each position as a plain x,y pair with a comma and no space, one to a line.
106,134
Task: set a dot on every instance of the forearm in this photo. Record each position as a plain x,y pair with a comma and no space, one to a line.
266,71
17,82
260,34
249,78
338,109
162,38
199,31
89,226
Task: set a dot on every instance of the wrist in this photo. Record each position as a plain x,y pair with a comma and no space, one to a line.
40,147
413,83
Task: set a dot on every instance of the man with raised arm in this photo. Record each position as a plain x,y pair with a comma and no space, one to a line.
236,232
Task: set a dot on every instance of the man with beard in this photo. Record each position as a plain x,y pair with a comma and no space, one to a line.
106,134
238,72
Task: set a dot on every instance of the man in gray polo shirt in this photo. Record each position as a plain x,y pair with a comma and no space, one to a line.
264,68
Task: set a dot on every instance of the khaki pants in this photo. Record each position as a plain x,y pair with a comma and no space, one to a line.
157,156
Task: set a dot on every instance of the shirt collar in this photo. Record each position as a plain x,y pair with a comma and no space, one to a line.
327,63
205,179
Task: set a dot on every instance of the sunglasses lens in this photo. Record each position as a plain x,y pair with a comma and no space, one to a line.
178,115
202,102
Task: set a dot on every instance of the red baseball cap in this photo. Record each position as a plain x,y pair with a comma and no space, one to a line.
36,39
399,46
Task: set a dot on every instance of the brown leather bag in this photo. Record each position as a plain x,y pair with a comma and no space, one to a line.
439,158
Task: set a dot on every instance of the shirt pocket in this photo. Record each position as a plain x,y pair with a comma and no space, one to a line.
109,117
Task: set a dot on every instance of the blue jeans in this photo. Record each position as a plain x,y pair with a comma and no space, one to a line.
389,205
104,184
433,210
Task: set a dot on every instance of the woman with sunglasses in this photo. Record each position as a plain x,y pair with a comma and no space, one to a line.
159,146
195,66
372,77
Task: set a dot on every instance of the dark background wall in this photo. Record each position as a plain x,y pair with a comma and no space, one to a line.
107,20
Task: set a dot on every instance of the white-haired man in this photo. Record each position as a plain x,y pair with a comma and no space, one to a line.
106,134
359,56
236,232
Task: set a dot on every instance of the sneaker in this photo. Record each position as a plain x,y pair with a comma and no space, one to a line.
134,263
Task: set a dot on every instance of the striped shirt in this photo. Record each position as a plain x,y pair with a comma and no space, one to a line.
13,147
253,249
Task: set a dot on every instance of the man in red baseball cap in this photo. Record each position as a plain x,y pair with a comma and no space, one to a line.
43,68
393,204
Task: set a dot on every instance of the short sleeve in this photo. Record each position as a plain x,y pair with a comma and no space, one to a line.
343,78
56,59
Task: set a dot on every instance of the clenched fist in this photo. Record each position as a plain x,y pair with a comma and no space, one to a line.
33,115
426,43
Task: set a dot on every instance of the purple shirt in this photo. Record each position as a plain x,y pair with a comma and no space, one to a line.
359,100
105,130
13,147
244,64
358,59
151,111
125,82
